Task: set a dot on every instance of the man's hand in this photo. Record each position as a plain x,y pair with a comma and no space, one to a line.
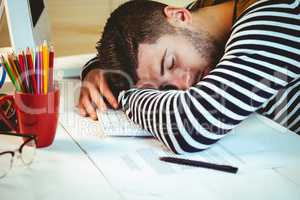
93,89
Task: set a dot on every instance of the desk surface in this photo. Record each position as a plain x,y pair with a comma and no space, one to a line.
62,171
90,166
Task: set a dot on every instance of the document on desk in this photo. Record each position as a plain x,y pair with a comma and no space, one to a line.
116,123
252,145
79,126
263,155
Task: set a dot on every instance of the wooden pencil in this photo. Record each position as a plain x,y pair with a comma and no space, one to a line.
37,70
41,70
19,71
46,66
30,89
9,72
23,72
31,71
15,71
51,70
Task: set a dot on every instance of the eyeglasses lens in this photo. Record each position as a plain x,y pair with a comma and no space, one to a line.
28,152
5,164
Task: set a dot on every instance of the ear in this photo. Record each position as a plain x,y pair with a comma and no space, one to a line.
178,16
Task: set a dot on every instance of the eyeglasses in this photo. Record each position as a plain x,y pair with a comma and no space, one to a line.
23,147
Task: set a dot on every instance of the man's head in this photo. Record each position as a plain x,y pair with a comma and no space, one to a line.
155,45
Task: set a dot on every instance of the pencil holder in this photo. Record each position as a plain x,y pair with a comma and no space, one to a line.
38,114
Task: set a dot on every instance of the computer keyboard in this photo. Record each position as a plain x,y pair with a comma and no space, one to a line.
110,123
78,125
116,123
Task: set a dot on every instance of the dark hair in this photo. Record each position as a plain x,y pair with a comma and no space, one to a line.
135,22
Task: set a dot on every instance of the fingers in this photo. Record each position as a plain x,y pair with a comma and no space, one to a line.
97,99
110,98
85,104
82,111
106,92
93,90
80,106
89,108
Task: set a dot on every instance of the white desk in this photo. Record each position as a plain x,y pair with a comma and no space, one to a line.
267,155
62,171
90,166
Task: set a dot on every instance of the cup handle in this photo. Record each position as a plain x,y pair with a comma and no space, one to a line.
3,117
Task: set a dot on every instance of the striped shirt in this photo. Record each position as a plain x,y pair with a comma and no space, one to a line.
259,72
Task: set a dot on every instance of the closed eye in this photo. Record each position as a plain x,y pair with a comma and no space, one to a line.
173,64
168,62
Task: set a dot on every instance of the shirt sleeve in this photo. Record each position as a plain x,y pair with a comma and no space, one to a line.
261,57
94,63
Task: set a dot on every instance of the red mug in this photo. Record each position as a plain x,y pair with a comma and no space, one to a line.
36,114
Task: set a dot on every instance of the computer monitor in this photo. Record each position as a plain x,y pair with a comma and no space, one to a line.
27,21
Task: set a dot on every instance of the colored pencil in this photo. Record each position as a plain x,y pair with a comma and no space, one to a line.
51,72
41,70
8,65
21,80
31,71
9,72
37,70
32,55
23,72
27,74
14,70
11,60
46,66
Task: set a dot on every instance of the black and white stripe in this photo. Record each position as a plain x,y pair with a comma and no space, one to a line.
260,71
284,108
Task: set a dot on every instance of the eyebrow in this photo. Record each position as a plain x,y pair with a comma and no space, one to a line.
162,66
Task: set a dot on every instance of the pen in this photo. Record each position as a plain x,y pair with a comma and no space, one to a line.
180,161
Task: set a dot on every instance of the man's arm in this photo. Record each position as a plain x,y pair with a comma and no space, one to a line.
261,57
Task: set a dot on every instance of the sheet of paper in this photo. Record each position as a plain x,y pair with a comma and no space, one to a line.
79,126
116,123
259,145
132,165
291,173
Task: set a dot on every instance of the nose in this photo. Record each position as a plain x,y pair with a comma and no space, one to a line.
181,84
183,80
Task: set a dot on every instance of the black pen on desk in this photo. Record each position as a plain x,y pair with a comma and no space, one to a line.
194,163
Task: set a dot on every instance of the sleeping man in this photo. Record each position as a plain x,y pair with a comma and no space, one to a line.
189,76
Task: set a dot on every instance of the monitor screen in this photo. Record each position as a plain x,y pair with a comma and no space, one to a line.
36,8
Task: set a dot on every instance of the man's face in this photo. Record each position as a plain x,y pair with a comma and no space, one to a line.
172,60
